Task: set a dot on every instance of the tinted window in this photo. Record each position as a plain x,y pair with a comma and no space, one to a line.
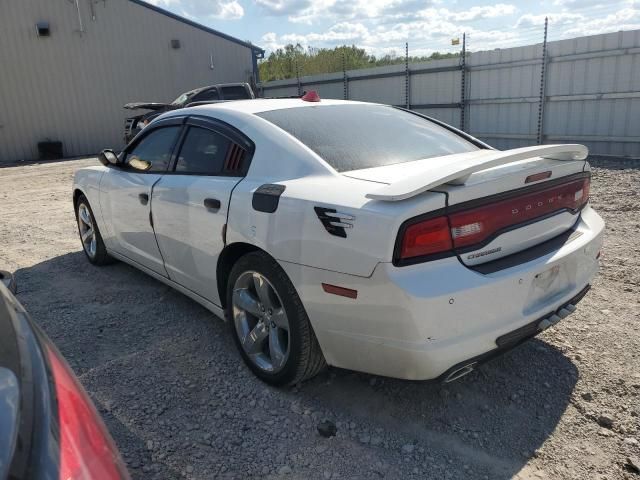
236,92
154,149
203,151
207,95
351,137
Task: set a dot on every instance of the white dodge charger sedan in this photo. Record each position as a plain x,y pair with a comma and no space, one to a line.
357,235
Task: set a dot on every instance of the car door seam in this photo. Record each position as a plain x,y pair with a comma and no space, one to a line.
153,228
226,229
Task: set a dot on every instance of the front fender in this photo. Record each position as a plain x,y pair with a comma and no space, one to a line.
87,182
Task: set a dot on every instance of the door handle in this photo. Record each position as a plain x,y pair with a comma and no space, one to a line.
212,203
144,198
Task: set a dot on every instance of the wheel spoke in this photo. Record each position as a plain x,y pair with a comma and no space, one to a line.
84,216
262,289
243,299
279,317
275,349
87,235
261,321
254,340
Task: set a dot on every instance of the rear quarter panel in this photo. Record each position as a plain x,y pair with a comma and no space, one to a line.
294,233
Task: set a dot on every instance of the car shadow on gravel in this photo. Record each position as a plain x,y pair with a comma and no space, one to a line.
490,422
179,402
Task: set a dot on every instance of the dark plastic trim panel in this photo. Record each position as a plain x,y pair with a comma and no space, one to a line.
266,197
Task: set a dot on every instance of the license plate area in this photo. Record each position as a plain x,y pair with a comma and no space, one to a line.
515,337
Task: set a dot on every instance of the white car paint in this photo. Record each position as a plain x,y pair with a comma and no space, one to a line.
132,231
415,321
456,169
190,236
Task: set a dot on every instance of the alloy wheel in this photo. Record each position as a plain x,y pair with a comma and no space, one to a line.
261,321
87,230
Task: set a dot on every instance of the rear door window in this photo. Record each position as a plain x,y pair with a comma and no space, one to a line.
235,92
203,152
353,137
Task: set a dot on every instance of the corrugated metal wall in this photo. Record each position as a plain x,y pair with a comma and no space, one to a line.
72,85
592,92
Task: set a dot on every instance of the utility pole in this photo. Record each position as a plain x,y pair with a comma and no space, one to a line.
543,71
345,80
463,81
407,81
298,78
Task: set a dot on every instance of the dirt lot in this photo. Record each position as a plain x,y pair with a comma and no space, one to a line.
179,402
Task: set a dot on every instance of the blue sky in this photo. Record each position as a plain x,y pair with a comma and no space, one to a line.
383,26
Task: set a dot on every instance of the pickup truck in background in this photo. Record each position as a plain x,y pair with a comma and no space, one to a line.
209,94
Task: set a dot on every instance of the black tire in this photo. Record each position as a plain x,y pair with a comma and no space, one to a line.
305,358
101,257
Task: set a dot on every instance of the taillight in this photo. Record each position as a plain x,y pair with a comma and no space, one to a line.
86,448
471,226
426,238
474,226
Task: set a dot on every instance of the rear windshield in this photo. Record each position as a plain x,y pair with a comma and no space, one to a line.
351,137
235,92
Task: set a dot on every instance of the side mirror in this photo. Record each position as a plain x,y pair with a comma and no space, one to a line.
108,157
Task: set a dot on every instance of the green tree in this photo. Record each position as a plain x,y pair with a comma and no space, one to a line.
283,62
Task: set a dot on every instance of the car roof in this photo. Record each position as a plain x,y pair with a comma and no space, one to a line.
259,105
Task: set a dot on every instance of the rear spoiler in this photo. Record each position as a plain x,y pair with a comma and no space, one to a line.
458,172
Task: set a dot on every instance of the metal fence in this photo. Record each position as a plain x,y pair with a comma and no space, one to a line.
584,90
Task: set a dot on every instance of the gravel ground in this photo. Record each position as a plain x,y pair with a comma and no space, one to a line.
167,379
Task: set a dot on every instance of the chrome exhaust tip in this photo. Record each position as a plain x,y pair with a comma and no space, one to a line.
460,372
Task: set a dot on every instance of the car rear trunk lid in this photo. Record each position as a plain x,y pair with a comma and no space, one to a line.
514,219
498,203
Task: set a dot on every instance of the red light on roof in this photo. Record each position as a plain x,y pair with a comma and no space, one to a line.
311,96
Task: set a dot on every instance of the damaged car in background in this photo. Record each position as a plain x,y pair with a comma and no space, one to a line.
211,93
357,235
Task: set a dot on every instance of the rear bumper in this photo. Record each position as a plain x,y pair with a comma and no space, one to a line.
512,339
420,321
